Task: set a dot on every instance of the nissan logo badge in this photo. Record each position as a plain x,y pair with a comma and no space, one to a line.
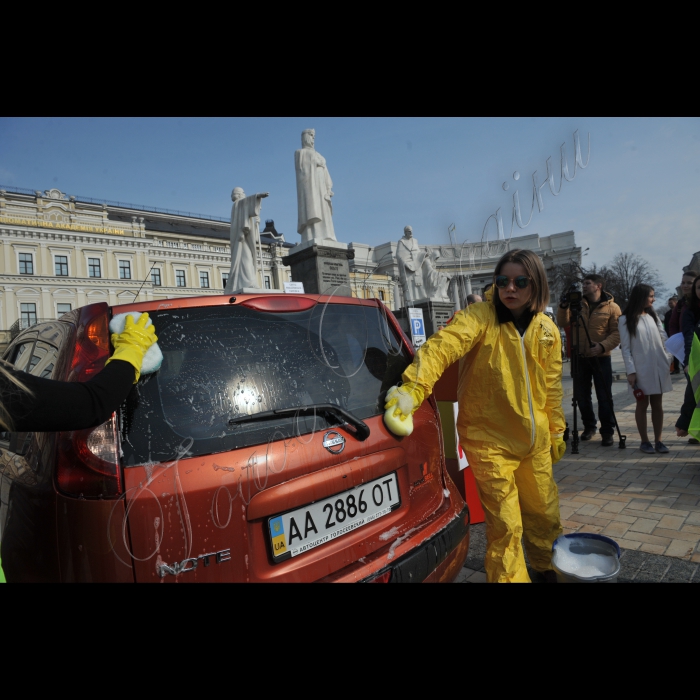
334,442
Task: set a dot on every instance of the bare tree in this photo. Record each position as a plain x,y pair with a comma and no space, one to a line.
625,272
561,276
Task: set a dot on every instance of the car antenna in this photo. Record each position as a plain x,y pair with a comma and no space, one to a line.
136,296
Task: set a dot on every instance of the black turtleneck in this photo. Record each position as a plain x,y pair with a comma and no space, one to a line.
505,316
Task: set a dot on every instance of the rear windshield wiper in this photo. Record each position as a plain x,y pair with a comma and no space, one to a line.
360,428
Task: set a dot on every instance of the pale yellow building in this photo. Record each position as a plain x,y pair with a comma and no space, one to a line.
58,253
372,286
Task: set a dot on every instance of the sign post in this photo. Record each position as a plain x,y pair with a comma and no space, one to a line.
293,287
415,316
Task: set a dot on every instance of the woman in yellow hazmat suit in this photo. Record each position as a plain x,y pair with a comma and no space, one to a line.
511,420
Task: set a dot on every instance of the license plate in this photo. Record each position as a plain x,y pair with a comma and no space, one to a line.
300,530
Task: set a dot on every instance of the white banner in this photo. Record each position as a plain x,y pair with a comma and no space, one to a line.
676,346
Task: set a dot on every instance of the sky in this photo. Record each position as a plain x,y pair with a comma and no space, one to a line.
639,192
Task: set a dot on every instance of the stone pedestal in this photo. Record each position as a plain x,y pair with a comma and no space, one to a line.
322,266
435,314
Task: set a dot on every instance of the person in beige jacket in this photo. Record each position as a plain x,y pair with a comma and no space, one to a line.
599,313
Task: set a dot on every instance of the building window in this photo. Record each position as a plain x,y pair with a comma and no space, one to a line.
61,265
26,264
180,278
381,294
94,267
28,314
124,270
155,277
204,280
224,279
267,282
63,309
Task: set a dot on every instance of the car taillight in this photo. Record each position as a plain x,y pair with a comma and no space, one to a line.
91,348
88,460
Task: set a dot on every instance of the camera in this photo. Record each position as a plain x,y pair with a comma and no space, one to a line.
572,298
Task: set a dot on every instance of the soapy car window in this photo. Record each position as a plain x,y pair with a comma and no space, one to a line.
224,362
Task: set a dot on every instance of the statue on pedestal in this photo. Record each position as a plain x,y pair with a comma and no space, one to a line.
314,192
410,259
436,282
245,240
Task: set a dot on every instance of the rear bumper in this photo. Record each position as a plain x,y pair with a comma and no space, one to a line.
439,559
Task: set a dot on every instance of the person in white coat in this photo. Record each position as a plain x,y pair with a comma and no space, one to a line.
643,339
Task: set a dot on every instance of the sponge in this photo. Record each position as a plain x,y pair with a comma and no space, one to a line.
399,427
153,358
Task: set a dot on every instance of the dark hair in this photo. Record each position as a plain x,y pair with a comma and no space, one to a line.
694,302
638,304
534,268
596,279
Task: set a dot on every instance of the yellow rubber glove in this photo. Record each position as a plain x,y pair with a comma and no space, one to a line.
558,448
401,403
131,344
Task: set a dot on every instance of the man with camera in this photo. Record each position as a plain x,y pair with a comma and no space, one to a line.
598,313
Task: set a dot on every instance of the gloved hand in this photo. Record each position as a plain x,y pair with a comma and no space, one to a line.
131,344
558,447
564,300
401,403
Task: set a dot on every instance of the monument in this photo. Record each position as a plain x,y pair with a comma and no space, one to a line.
423,285
314,192
319,261
246,260
410,260
436,283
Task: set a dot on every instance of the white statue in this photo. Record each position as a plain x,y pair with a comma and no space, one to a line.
436,282
245,239
410,259
314,192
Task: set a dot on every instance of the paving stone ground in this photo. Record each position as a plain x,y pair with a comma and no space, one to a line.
649,504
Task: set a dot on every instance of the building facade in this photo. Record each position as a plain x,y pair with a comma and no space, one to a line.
469,266
58,253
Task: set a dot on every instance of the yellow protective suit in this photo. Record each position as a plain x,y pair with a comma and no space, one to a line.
510,413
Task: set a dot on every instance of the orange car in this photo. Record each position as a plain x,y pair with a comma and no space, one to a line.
257,452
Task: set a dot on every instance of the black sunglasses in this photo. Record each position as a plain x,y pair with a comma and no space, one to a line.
520,282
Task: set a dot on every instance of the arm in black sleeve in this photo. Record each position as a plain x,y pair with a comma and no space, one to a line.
688,329
54,405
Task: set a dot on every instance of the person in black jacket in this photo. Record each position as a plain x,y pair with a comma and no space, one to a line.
36,404
667,320
690,320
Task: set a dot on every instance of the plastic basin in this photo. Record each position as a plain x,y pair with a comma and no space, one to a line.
584,557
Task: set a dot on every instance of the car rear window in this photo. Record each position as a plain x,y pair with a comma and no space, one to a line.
224,362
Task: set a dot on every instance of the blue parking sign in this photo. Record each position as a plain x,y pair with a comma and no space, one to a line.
417,326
